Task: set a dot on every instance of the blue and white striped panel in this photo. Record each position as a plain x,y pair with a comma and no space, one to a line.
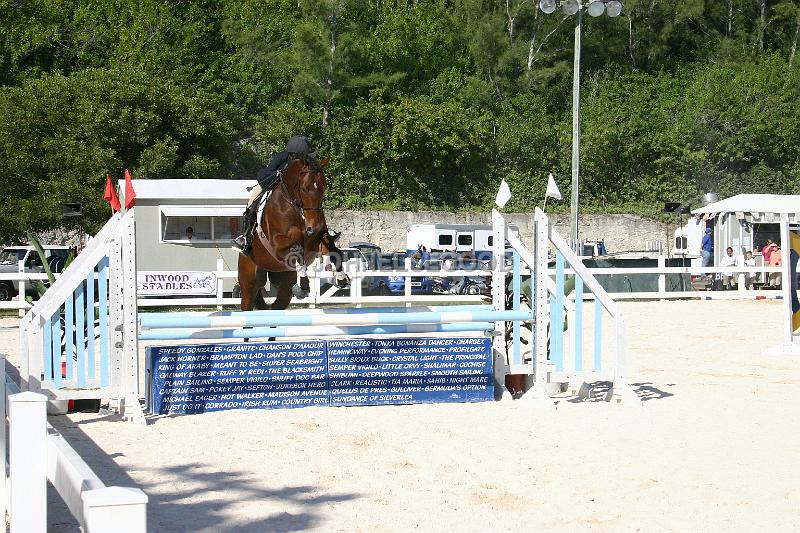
102,298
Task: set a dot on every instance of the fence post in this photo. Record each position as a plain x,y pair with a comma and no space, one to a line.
407,284
220,284
21,289
3,443
117,509
28,462
662,278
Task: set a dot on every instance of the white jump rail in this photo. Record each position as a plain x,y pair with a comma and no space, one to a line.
97,508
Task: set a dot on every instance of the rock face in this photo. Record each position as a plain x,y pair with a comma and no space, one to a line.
388,228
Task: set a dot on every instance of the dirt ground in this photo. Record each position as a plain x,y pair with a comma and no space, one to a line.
715,446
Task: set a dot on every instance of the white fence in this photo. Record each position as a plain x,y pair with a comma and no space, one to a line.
96,508
355,294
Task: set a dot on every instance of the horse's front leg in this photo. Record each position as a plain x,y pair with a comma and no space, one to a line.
328,245
303,287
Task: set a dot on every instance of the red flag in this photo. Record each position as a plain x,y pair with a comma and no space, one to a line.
130,194
110,195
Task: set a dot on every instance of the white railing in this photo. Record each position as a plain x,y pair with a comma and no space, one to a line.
357,295
353,294
740,293
19,280
37,453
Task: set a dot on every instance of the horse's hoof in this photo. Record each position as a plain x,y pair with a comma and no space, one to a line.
299,293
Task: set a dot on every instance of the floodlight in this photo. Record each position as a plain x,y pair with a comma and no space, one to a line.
547,6
570,7
596,8
614,8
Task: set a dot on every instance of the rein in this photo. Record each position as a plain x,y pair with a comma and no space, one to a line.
294,202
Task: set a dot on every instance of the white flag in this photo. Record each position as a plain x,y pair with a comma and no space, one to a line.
552,188
503,194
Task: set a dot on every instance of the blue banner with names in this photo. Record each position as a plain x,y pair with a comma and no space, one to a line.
411,370
214,377
287,374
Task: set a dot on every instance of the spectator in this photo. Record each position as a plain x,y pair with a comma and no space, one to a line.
775,260
767,250
729,260
189,233
750,261
707,249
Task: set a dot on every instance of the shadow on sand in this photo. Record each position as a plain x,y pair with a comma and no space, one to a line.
170,502
645,391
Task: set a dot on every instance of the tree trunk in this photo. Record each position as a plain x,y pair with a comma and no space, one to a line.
510,24
794,42
729,22
762,24
630,42
326,113
531,45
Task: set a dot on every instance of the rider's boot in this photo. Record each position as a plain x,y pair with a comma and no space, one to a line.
244,242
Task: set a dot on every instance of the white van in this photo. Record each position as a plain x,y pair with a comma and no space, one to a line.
476,239
10,257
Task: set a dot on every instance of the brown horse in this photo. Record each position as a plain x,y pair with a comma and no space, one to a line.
291,232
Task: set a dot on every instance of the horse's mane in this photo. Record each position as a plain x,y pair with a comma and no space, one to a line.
310,162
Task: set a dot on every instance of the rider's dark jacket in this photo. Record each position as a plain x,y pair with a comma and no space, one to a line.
268,176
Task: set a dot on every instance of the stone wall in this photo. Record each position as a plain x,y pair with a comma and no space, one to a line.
388,228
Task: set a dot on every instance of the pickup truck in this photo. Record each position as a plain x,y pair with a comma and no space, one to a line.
12,255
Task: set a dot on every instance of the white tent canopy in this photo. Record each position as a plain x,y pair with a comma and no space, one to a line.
757,205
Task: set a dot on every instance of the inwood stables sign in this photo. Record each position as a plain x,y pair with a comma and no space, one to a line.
172,283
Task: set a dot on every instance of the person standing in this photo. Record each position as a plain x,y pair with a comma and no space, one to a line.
775,260
729,260
707,249
749,261
767,249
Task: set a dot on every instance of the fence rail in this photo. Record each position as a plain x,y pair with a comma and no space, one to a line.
96,507
355,294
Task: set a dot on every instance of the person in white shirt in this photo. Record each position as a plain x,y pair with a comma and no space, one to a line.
750,261
727,261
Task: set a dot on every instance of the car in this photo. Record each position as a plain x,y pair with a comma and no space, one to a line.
387,285
365,247
10,257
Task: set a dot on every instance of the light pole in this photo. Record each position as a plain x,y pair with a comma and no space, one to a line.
595,8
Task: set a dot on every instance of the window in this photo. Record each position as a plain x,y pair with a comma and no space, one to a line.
200,224
445,240
681,243
491,240
33,260
465,240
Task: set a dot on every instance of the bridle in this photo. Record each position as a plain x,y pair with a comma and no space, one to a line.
292,199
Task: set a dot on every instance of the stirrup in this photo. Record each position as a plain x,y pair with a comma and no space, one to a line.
241,245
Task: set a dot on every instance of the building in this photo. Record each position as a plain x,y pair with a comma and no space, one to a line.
167,208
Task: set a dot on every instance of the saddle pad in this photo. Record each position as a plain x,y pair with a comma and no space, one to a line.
260,213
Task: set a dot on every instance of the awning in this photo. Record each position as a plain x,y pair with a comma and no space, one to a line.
767,206
203,211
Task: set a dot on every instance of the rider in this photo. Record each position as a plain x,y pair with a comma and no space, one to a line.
267,178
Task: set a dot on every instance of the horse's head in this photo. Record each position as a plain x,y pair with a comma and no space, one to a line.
305,184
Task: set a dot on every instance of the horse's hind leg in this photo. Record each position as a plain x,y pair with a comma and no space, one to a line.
247,282
260,283
284,282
